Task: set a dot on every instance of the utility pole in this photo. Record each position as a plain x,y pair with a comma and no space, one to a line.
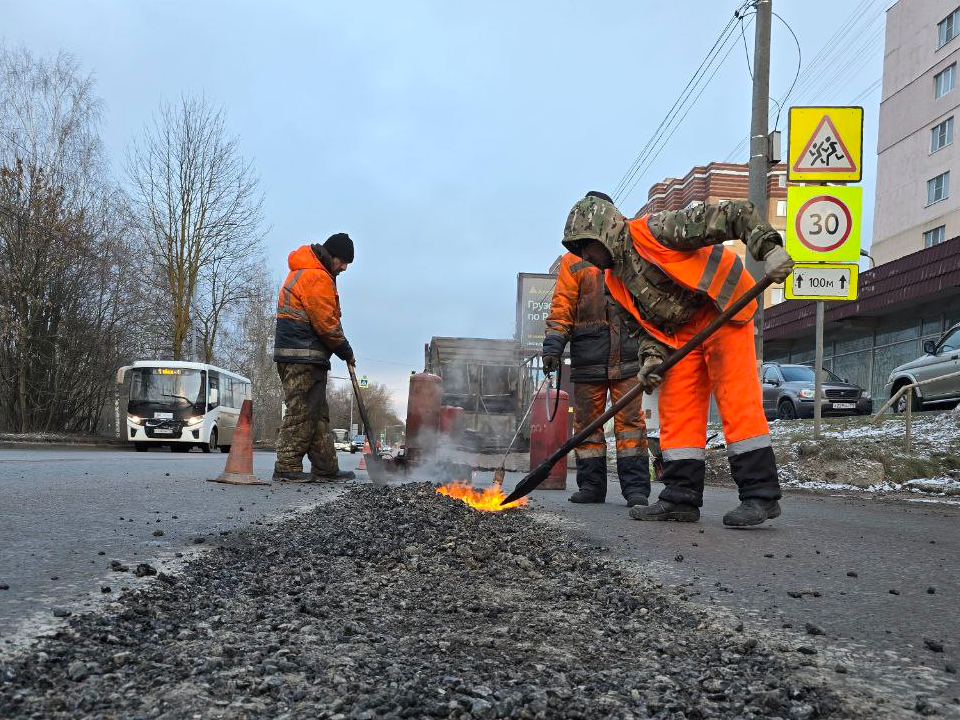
760,141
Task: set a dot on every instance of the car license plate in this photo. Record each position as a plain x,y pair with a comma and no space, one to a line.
162,431
162,416
844,406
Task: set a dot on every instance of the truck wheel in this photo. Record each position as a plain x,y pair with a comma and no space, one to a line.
786,410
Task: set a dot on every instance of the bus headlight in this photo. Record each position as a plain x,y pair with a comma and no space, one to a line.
195,420
135,419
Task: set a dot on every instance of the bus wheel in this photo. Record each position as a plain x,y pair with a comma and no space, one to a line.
212,445
141,447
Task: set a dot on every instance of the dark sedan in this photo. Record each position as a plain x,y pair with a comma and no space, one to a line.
788,393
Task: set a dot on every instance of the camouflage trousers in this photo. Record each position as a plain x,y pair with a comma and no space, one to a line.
306,425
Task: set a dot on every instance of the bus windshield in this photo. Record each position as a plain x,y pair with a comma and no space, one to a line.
167,386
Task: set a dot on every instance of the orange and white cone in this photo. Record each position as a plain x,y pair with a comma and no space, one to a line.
239,469
363,456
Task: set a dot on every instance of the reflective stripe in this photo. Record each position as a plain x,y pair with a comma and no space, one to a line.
730,284
285,294
591,453
744,446
631,451
689,453
578,266
629,435
293,313
710,271
302,353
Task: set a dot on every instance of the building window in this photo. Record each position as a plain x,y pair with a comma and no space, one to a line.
938,188
941,135
944,81
776,295
947,28
781,208
935,236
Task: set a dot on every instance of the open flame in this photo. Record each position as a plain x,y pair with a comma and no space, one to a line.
486,499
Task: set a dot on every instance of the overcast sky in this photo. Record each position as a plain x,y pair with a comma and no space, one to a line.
449,139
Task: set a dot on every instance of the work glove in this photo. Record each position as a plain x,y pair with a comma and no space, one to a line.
777,264
648,380
551,363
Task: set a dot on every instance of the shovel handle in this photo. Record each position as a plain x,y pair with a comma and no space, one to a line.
675,357
363,411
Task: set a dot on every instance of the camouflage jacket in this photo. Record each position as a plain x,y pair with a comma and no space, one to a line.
660,299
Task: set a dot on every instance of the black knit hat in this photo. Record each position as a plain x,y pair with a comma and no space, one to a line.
340,246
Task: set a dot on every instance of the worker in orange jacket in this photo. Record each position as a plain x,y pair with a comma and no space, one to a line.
604,360
674,274
308,334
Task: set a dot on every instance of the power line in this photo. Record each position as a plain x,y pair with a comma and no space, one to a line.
678,104
676,126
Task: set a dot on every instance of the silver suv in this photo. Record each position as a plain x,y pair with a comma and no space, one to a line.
942,358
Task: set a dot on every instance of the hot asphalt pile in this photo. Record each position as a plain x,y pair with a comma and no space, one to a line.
400,603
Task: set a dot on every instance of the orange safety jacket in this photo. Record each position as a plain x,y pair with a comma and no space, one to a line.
308,312
715,271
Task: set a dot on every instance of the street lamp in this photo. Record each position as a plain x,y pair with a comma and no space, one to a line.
864,253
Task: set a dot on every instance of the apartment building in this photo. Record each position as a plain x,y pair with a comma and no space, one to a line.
918,191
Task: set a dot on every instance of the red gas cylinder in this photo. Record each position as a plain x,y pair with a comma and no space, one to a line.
547,437
452,422
423,416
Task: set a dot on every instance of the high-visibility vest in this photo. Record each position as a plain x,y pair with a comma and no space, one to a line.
715,271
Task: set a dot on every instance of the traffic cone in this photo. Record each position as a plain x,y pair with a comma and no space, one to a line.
239,469
363,457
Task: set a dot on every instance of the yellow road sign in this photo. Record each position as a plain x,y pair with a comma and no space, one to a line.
822,281
823,223
826,144
364,382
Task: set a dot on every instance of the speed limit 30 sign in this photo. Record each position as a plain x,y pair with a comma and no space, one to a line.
823,223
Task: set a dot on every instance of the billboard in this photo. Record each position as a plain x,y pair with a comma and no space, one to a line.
534,295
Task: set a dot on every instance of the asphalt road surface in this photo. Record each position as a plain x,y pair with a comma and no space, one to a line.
66,513
878,578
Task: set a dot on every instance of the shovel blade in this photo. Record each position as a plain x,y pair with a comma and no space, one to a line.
377,470
529,483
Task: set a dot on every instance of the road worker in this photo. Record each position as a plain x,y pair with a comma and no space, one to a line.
673,273
604,359
308,334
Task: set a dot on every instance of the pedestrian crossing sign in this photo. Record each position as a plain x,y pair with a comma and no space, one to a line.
826,144
364,382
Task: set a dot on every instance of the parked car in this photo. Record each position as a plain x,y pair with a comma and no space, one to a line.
356,445
788,392
942,357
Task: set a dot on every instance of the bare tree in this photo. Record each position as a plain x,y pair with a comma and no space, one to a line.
198,208
63,311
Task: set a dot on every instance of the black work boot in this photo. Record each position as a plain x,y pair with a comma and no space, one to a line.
666,510
591,479
752,511
292,476
637,499
588,495
338,476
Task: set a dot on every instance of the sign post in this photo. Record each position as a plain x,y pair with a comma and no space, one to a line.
823,221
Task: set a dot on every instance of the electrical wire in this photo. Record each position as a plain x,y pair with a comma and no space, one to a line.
679,103
796,76
641,175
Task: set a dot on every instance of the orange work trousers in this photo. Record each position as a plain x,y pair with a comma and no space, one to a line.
726,366
630,431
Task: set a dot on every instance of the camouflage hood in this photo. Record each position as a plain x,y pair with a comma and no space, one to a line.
593,218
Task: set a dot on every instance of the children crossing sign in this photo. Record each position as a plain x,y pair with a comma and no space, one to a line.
823,223
826,144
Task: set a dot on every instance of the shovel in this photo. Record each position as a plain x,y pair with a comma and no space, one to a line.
376,468
540,473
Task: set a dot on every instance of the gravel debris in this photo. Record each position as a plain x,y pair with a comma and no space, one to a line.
401,603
